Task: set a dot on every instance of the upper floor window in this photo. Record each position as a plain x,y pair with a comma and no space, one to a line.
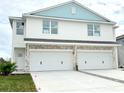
50,27
19,28
93,30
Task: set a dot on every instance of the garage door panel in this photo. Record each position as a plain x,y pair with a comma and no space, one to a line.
89,60
42,61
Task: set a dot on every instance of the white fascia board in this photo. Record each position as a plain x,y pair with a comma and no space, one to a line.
11,18
84,44
87,21
16,18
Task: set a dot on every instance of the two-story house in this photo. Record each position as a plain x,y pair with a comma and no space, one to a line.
63,37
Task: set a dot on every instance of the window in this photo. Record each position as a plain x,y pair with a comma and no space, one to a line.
46,26
54,27
90,30
73,10
93,30
19,28
50,27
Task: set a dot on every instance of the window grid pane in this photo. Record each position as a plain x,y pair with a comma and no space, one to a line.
96,30
54,24
90,30
54,31
46,31
90,33
46,26
19,31
96,33
54,27
96,27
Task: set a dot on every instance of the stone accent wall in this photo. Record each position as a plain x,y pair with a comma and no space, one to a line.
33,46
94,48
50,47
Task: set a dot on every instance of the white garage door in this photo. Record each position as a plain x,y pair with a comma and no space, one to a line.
49,60
97,60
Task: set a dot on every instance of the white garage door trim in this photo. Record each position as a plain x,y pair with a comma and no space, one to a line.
45,54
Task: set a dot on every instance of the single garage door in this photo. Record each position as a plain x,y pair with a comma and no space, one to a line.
94,60
50,60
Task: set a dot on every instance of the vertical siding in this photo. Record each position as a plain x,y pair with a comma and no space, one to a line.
64,11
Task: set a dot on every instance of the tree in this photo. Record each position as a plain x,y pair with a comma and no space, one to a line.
2,60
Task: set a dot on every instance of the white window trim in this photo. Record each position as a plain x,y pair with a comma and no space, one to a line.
23,28
50,28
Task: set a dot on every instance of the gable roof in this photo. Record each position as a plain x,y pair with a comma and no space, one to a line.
94,16
120,37
11,18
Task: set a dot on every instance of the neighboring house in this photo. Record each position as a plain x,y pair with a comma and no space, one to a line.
63,37
120,40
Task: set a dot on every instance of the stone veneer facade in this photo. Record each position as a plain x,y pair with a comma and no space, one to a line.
74,48
37,46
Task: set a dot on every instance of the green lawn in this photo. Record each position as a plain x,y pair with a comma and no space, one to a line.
17,83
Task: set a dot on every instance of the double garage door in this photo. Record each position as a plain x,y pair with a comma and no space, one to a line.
49,60
94,60
63,60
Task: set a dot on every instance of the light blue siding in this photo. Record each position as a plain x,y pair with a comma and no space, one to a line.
64,11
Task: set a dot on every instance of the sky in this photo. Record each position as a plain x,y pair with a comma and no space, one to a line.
112,9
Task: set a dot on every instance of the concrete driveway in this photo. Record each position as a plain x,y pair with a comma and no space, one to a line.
117,74
73,81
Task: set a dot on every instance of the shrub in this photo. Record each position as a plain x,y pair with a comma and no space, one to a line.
7,68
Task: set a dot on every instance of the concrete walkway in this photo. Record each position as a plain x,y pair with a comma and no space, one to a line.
72,81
